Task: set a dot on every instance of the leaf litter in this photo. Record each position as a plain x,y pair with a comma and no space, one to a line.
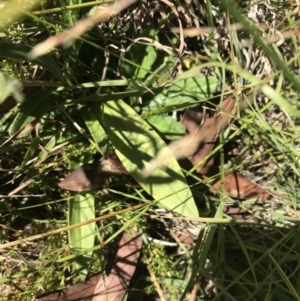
111,284
98,174
195,146
203,128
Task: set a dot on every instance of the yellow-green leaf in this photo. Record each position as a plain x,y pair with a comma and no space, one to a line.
81,239
136,144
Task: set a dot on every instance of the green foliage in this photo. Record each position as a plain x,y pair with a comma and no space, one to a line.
33,109
91,98
135,144
20,52
143,57
81,239
166,126
182,92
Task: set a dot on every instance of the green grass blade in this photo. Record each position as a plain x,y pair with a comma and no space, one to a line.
91,117
34,108
280,101
232,8
20,52
290,286
136,144
30,152
48,147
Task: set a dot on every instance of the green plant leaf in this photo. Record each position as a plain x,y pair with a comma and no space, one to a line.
167,126
162,73
200,86
143,56
20,52
292,290
148,60
189,91
34,108
136,143
82,208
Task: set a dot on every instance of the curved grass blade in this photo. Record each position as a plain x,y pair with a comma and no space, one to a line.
49,147
136,144
20,52
30,152
34,108
280,101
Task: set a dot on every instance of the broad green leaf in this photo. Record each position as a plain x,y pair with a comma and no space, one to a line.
34,108
143,56
148,60
81,208
162,73
167,126
20,52
200,87
136,143
189,91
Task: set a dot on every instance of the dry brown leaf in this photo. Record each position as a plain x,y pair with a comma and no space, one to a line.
238,187
190,143
85,178
235,211
115,285
111,285
191,120
235,186
77,291
92,176
186,239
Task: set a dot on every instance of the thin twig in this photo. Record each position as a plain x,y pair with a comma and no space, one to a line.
23,196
